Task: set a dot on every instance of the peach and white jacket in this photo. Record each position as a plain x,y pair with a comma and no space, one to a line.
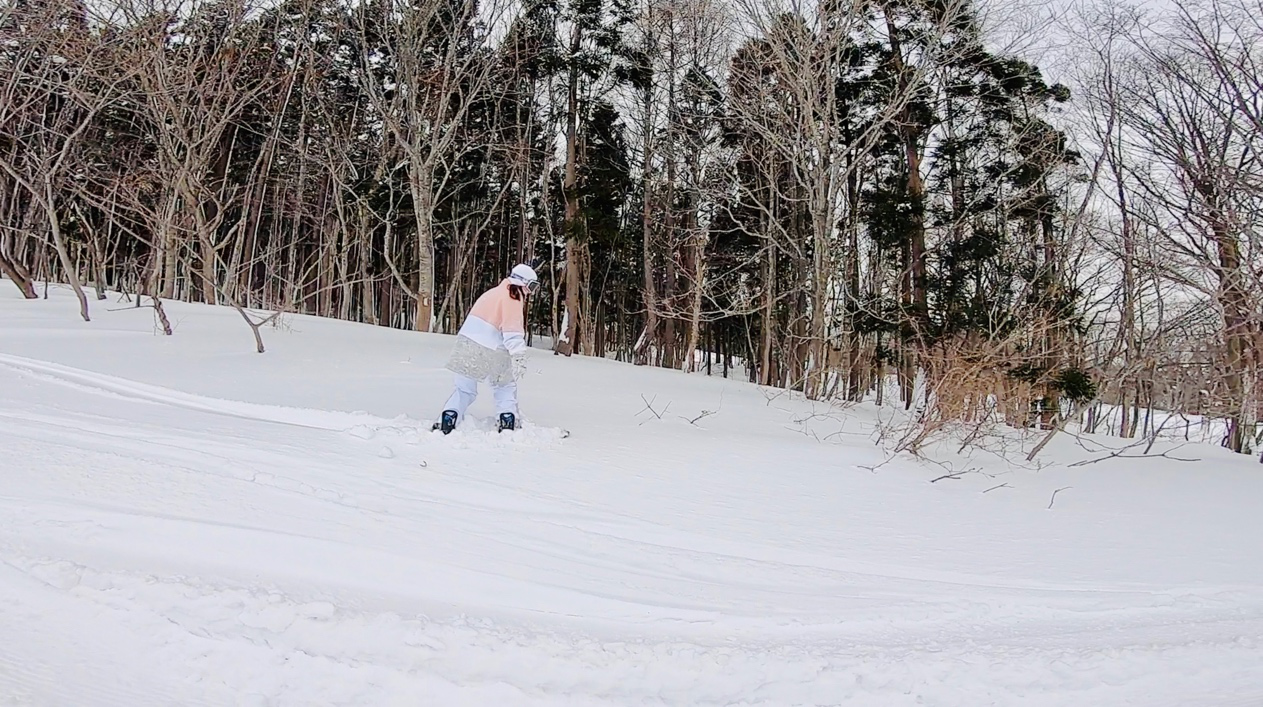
497,321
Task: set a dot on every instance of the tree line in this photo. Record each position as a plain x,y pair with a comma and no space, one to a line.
820,196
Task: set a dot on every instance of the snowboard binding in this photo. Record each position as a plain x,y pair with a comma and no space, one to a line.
446,423
508,421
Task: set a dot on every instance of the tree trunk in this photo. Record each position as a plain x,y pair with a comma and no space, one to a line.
1235,303
209,296
167,246
59,242
914,299
648,345
817,334
423,205
851,286
916,239
566,345
695,308
22,281
769,322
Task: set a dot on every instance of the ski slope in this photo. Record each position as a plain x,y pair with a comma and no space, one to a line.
186,522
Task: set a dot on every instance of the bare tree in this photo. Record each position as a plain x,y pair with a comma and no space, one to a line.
1174,105
425,67
1206,195
53,95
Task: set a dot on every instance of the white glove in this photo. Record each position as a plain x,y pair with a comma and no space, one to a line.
519,366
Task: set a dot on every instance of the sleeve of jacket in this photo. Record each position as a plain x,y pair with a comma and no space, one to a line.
514,330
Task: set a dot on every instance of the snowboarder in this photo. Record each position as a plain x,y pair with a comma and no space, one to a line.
491,347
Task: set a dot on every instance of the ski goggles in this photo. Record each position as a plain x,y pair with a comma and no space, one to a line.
531,286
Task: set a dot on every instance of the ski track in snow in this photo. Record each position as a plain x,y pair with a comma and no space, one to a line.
160,546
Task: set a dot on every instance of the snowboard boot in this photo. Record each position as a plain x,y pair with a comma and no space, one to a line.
507,421
446,424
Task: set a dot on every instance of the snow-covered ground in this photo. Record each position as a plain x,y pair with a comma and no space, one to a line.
186,522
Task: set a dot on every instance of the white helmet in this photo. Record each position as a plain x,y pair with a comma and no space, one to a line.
523,275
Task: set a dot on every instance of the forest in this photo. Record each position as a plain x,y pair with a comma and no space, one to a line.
819,196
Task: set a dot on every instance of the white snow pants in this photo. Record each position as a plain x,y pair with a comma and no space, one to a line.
467,391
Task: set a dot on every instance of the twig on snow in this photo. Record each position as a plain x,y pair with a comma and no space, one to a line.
1053,500
650,408
956,474
874,468
705,414
1001,486
1121,454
